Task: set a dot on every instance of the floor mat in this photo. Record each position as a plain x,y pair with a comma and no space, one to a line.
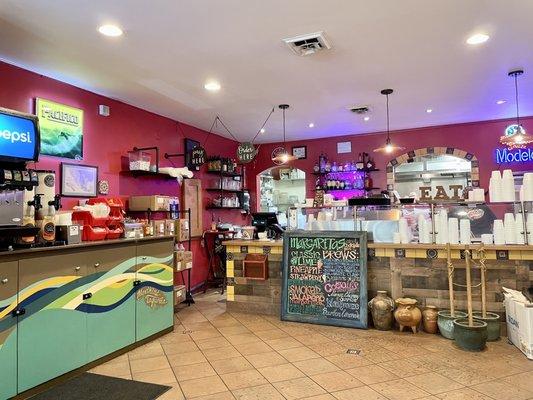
88,386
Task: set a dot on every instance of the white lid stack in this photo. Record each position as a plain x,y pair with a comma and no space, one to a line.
495,187
509,227
453,230
519,229
405,237
527,187
508,188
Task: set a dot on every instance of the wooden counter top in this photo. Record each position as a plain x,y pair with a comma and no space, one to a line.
84,245
475,246
253,243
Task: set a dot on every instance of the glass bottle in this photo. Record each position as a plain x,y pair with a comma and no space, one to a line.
322,160
334,167
359,165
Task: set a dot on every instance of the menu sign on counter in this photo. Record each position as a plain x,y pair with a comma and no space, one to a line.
324,278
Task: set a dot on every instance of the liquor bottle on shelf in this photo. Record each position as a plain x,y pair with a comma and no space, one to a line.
360,163
334,167
316,168
322,160
327,168
369,164
368,181
318,185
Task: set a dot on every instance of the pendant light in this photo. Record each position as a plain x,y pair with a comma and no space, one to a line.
280,155
515,136
388,147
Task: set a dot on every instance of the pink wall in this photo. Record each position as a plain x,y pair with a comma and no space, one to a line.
107,139
479,138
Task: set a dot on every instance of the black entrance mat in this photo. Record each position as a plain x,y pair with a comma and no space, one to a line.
89,386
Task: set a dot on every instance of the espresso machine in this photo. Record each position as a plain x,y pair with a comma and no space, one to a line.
19,145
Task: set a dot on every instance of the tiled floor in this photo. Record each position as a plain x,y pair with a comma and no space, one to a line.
216,355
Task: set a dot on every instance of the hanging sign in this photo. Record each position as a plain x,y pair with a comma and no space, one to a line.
324,278
61,129
506,156
246,152
197,156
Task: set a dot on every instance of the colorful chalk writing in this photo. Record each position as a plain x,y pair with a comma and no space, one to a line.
324,278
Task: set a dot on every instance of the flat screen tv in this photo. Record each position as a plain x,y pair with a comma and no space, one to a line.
19,136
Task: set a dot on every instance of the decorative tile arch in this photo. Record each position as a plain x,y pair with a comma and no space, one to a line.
409,157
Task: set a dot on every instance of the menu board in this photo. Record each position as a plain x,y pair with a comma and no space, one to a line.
324,278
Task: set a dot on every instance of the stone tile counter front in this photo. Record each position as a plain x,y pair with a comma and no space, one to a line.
253,295
417,271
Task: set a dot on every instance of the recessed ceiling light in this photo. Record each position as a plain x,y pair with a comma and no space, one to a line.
262,130
311,125
500,102
110,30
429,110
366,118
478,38
212,86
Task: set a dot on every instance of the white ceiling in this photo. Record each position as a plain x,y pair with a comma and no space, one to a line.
170,48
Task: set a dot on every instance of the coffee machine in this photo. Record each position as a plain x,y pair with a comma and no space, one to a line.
19,145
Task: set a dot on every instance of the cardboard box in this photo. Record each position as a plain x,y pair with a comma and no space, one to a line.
159,227
179,294
519,324
170,227
182,260
182,230
153,203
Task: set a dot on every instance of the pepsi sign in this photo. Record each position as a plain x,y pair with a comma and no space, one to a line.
19,136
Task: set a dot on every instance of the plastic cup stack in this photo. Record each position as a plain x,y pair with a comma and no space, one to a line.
495,187
453,230
499,232
443,227
527,187
423,230
509,227
396,237
530,228
519,229
404,230
465,234
508,189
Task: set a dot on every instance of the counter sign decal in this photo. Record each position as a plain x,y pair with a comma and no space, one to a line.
61,129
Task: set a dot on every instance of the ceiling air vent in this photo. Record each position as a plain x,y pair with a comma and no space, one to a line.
305,45
359,109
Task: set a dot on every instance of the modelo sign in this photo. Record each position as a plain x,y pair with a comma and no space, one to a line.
19,136
246,152
506,156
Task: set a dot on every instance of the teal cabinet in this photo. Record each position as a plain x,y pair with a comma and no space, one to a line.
52,332
155,287
8,328
110,309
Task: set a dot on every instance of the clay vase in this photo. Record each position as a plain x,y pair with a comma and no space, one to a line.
407,313
381,308
429,319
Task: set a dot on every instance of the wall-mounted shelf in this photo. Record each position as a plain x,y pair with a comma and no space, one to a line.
224,190
347,172
368,189
224,173
153,174
222,208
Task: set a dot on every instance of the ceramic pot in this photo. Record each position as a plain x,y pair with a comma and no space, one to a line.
471,338
407,313
429,319
381,308
445,322
493,324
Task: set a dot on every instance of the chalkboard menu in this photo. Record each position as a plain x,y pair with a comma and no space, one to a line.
324,278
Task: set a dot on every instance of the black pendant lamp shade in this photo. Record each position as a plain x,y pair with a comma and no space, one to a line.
516,137
280,155
388,147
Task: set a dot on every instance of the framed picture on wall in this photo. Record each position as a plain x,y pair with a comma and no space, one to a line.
189,145
300,152
79,180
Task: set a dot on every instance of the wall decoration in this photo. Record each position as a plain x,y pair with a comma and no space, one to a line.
103,187
61,129
300,152
190,144
198,156
78,180
344,147
246,152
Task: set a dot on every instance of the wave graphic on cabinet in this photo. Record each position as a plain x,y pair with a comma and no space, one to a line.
109,290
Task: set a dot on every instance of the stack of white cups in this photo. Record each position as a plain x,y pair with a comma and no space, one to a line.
453,230
498,232
404,231
509,226
508,189
495,187
423,230
465,234
527,187
519,229
529,225
443,227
